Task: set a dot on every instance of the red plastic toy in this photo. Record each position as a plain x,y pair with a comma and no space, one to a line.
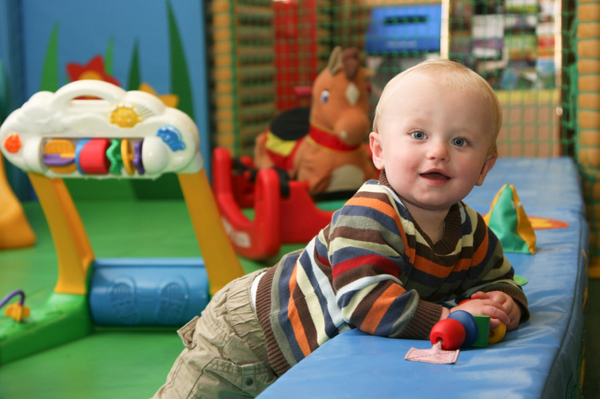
451,332
290,218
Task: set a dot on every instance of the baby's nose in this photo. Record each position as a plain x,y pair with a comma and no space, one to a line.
437,150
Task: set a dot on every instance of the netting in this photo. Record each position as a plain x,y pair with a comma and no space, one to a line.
541,56
585,98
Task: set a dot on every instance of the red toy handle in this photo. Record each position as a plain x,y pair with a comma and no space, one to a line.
252,239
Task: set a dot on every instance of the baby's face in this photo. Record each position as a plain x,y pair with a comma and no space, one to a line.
433,142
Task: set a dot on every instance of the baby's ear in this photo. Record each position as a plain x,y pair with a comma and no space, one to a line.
487,166
376,150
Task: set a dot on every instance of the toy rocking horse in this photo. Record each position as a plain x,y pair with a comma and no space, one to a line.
324,145
307,153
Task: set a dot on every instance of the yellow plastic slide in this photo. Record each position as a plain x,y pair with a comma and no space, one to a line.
15,231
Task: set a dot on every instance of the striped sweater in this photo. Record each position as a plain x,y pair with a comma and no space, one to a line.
374,269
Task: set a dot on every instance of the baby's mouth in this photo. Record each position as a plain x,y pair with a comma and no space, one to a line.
435,176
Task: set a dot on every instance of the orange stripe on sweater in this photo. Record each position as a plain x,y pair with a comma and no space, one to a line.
437,270
432,268
294,317
380,308
376,204
480,253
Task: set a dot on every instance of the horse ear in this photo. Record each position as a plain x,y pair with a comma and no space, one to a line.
350,62
335,61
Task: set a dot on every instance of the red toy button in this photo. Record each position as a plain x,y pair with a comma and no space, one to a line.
12,143
92,158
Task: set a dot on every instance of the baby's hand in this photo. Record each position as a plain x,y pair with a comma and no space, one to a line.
510,307
488,307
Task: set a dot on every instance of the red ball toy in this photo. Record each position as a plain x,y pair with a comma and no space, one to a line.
451,332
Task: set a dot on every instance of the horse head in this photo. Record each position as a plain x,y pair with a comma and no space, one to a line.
329,152
340,97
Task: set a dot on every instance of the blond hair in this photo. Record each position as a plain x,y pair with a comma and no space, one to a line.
451,74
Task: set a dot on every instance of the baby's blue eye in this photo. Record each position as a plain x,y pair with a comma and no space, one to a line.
418,135
459,142
324,96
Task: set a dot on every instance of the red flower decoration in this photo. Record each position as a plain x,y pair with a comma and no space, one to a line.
94,70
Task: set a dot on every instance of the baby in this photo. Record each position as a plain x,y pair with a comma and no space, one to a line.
397,250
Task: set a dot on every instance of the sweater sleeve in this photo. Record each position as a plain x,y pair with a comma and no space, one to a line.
366,251
490,270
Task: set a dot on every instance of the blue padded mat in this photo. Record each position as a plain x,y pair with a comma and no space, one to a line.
541,359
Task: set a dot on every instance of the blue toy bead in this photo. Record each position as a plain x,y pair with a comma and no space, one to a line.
468,321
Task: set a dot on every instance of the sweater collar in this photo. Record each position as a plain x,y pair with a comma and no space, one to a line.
452,224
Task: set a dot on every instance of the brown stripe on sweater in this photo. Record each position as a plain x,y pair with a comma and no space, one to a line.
427,315
379,195
263,311
364,235
376,314
364,307
326,230
481,230
358,272
426,253
305,317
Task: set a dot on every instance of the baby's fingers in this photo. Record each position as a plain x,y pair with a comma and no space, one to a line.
494,323
481,295
495,313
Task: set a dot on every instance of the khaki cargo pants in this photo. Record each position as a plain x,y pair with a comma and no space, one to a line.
225,354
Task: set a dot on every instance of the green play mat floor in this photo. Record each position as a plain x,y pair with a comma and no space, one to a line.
111,362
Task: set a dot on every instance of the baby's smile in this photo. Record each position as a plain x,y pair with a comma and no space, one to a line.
435,175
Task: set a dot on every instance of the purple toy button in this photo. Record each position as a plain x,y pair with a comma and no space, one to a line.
57,160
137,157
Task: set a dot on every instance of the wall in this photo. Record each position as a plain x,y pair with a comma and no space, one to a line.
46,44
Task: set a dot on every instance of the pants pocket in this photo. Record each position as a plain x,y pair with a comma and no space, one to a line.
186,333
248,380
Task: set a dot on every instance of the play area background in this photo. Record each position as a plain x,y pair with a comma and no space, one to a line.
232,65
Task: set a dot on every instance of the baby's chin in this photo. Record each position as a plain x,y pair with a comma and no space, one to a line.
415,205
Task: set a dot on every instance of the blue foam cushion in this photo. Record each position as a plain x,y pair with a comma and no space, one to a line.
540,359
147,291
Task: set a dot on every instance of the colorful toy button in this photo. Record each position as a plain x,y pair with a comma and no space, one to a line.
114,155
137,157
12,143
80,144
125,115
92,158
172,137
127,156
59,156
